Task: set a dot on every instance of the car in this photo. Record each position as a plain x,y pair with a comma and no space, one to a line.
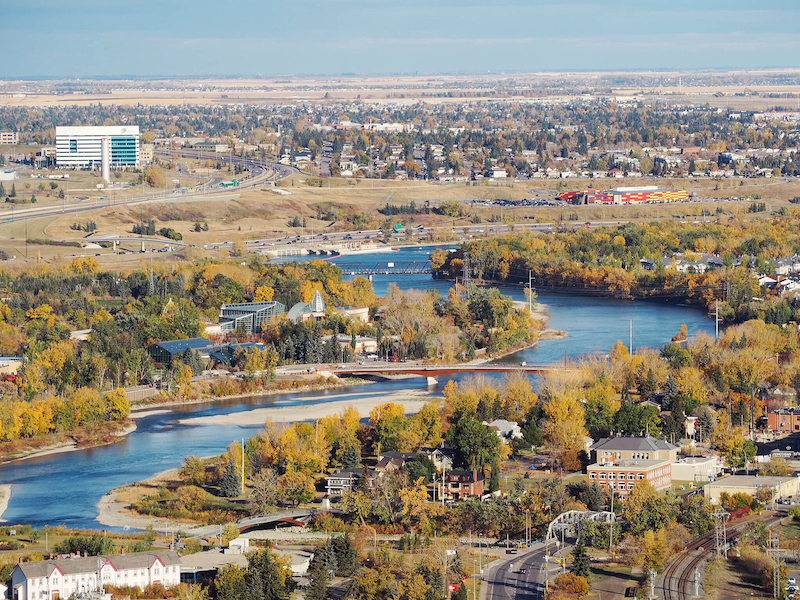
791,581
522,571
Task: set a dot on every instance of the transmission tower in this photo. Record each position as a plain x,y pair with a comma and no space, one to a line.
777,555
466,279
720,534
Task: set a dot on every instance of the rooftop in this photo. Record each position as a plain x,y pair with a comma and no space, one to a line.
629,463
69,566
637,443
754,481
173,346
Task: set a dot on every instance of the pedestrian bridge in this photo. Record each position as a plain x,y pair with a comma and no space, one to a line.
445,369
298,516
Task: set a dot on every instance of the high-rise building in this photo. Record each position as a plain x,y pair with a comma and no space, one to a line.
81,147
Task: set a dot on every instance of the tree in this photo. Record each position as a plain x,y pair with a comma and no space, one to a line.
192,591
572,584
93,545
155,176
265,490
478,444
580,559
193,471
649,510
13,193
229,583
296,486
346,555
265,578
320,578
230,484
777,467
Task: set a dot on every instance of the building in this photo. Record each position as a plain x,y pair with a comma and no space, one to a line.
612,449
9,137
779,487
443,458
362,345
80,147
505,430
166,352
9,365
248,315
697,469
784,420
343,481
146,154
460,485
66,577
8,175
624,195
211,147
226,353
621,475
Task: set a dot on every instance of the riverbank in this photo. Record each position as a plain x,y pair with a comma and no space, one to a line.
5,497
412,400
71,445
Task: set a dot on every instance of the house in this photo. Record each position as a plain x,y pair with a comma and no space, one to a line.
778,487
166,352
392,461
64,577
498,173
442,457
361,344
343,481
506,430
612,449
460,484
622,474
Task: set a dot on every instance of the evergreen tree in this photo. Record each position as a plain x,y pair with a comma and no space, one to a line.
675,423
2,190
649,385
351,457
13,193
580,559
263,581
346,555
494,478
318,586
671,393
705,424
229,485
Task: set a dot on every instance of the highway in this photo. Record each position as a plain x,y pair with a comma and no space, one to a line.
259,173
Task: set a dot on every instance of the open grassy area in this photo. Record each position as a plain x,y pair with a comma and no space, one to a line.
723,581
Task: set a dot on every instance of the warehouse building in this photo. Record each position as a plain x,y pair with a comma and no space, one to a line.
624,195
81,147
779,487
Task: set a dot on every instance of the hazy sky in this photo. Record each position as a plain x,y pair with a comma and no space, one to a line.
191,37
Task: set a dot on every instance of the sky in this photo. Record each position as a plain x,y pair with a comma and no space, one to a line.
92,38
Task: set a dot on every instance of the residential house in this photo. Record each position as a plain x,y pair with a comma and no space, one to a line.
460,485
506,430
442,457
343,481
63,578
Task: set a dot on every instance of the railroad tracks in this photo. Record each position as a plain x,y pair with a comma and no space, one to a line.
678,582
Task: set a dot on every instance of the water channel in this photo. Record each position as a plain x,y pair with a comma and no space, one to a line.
64,489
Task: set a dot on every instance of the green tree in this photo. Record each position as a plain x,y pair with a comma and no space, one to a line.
580,559
13,193
93,545
479,445
229,583
230,484
265,579
318,586
193,471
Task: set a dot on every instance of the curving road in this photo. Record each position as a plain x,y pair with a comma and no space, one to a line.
505,582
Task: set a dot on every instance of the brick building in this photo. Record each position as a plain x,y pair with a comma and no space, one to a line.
623,474
784,420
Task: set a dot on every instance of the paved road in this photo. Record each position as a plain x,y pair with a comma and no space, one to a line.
507,583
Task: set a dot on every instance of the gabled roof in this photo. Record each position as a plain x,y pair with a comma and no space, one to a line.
633,443
91,564
176,346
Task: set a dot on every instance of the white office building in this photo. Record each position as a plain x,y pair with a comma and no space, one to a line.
81,147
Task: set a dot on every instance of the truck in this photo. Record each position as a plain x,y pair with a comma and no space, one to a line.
231,183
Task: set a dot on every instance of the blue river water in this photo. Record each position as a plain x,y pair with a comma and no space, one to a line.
64,489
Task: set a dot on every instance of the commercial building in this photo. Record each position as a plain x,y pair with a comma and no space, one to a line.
697,469
81,147
166,352
211,147
248,315
632,447
778,487
8,175
784,420
146,154
624,195
9,137
68,577
623,474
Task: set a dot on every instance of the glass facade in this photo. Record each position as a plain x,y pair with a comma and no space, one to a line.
123,150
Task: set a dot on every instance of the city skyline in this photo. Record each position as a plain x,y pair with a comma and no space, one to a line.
88,38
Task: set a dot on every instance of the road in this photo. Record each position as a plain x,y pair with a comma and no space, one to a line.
506,582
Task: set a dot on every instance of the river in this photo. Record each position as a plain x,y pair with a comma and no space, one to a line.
64,489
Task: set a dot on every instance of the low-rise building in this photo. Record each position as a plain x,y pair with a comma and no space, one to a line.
697,469
249,316
165,352
343,481
65,577
621,475
506,430
611,449
9,137
460,485
779,487
9,365
443,458
784,420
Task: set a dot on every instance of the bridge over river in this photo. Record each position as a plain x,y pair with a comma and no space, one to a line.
446,369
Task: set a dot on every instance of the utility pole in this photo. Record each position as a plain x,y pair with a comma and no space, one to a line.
242,466
611,523
652,583
777,554
720,534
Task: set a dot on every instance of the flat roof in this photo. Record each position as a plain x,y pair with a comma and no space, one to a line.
749,481
98,130
695,460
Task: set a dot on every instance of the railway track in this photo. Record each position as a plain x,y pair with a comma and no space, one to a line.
678,579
